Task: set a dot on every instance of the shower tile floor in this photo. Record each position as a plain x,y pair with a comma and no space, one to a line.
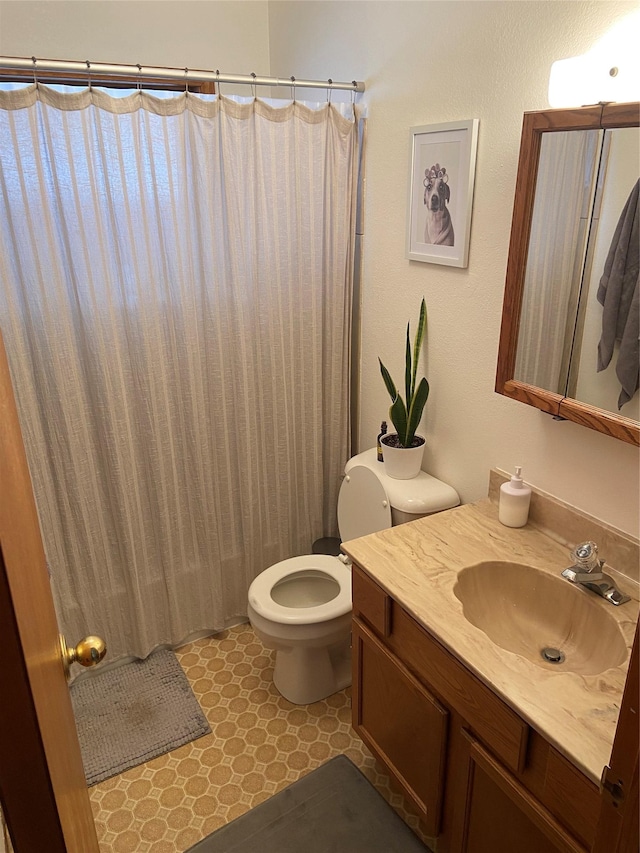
259,743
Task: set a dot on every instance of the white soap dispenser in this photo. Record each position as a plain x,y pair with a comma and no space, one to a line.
515,496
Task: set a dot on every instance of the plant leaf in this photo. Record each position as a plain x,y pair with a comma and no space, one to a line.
398,415
388,381
417,407
407,370
417,346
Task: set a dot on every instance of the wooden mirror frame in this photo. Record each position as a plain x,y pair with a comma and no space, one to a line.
599,116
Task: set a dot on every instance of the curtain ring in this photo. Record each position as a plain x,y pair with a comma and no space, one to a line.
88,64
139,86
35,63
293,89
330,82
353,92
186,85
253,85
218,92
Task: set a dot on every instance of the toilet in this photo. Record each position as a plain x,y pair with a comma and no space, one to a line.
301,607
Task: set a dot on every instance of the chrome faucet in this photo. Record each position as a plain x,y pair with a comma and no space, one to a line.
587,571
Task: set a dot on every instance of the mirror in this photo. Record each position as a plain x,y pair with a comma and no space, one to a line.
560,350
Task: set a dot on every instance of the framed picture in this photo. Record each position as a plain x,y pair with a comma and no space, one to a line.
441,176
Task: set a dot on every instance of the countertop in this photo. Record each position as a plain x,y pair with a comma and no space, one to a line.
418,564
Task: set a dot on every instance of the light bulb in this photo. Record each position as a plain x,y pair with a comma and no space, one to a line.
610,71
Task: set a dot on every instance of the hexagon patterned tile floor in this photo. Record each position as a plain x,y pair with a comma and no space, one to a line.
259,743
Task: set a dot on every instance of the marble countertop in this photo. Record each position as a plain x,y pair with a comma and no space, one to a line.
418,564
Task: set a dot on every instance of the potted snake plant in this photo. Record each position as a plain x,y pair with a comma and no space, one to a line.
402,451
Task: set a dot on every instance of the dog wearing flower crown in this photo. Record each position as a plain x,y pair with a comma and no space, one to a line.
438,229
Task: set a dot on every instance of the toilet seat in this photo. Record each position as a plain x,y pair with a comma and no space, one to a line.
262,602
363,508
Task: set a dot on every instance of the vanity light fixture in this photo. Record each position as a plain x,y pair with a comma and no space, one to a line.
610,71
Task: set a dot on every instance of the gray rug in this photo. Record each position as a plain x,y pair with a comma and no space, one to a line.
133,713
333,809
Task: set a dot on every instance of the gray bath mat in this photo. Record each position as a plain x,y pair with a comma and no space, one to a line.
333,809
133,713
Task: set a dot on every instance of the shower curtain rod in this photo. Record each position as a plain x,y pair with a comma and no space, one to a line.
186,75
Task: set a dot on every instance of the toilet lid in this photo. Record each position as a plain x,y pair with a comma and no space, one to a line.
363,506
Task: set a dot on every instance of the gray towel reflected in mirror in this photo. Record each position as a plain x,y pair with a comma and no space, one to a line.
618,294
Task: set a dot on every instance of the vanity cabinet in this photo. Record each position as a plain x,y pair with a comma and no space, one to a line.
479,777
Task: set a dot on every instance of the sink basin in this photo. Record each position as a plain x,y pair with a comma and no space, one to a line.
529,612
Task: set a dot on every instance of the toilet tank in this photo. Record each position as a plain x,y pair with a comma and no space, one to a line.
409,499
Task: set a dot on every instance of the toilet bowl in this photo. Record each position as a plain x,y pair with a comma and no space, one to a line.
301,607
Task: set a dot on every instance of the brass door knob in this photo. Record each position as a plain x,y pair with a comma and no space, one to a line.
88,652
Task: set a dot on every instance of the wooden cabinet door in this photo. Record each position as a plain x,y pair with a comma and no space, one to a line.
501,816
618,824
401,723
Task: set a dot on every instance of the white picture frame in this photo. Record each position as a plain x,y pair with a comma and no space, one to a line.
441,179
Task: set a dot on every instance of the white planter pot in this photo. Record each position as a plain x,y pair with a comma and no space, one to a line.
402,463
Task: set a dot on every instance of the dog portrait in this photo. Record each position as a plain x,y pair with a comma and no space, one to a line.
438,230
440,196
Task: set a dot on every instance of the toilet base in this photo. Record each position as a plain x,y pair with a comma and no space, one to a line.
313,660
304,674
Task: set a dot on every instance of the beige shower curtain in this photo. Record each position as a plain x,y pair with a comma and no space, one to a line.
176,303
557,245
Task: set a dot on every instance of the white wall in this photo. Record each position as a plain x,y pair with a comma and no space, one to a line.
430,62
423,62
230,36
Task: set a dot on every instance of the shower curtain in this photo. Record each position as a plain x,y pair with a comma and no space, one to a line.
176,299
557,244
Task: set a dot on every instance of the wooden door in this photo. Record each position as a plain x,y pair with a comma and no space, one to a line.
501,816
617,830
402,724
44,793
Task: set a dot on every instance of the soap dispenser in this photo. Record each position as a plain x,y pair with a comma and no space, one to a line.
515,496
